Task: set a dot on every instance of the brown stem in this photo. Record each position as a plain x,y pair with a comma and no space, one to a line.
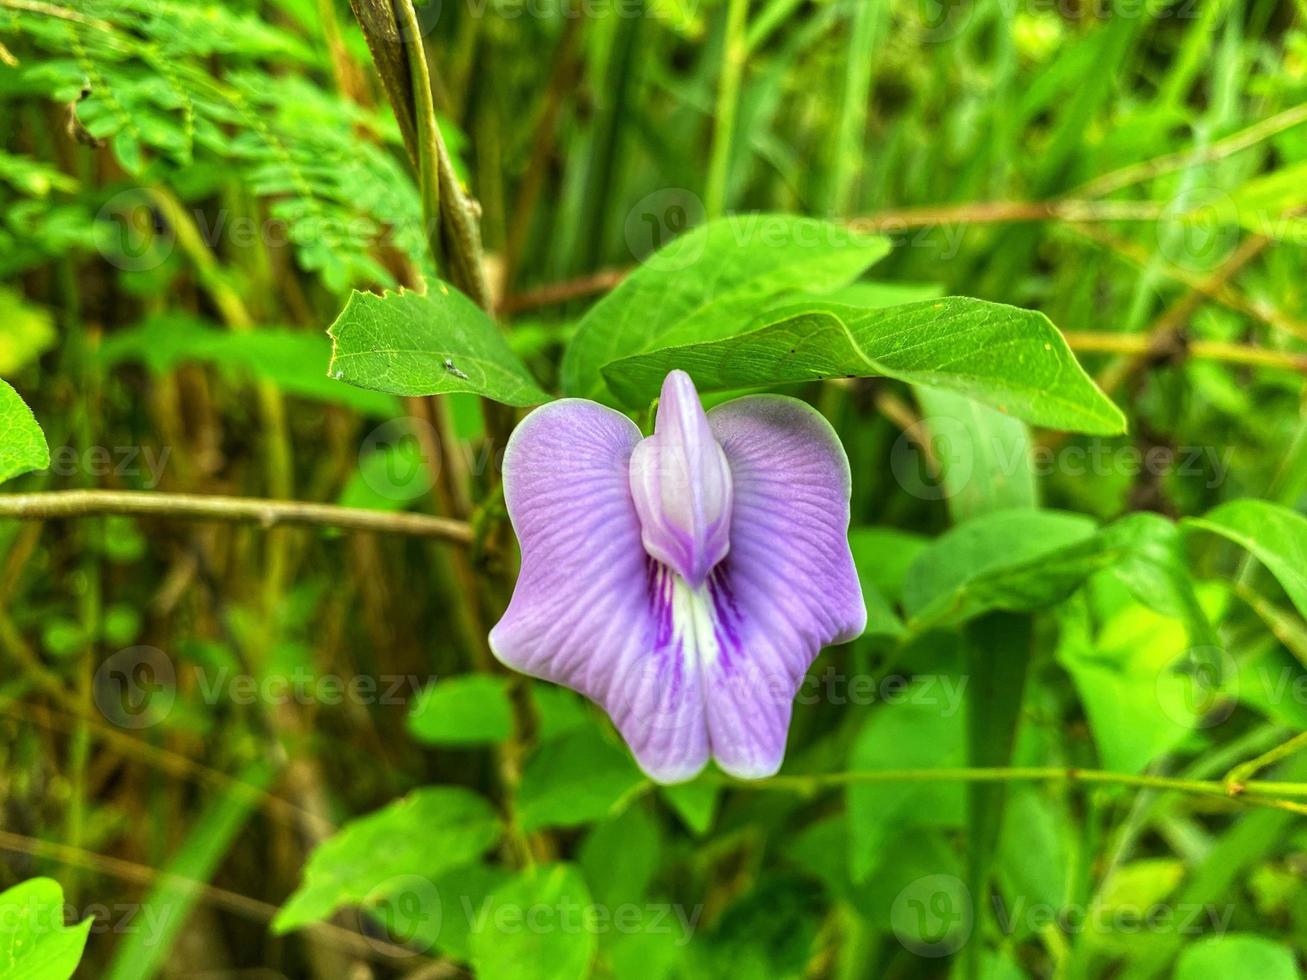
1213,350
265,513
1213,287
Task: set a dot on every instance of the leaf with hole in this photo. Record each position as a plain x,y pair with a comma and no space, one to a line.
432,343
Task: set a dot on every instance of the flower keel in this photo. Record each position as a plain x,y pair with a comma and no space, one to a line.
681,485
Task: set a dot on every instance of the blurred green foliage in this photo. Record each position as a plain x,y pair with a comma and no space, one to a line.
243,749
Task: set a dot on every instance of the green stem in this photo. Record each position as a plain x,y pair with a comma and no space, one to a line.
1241,774
735,51
428,130
1206,787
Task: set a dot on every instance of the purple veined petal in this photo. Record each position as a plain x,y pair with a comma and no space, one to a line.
591,610
681,484
788,587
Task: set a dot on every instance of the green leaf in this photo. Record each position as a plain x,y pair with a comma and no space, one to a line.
395,472
293,360
578,777
34,942
470,710
1275,535
1003,560
22,443
711,283
432,343
430,831
1141,884
1012,359
984,455
1236,955
539,926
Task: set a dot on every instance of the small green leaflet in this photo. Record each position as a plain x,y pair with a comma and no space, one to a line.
431,343
377,858
34,942
711,283
470,710
22,443
1276,536
1012,359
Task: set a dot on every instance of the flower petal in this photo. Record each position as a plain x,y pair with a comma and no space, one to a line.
789,586
591,610
681,484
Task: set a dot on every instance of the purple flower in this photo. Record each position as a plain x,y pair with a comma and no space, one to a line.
686,581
